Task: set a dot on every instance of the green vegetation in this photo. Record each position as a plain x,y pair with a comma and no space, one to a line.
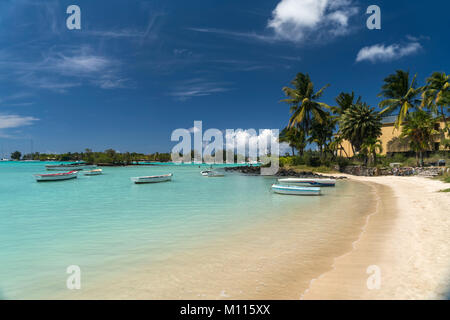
16,155
445,190
361,125
108,157
445,177
400,94
314,123
419,128
436,95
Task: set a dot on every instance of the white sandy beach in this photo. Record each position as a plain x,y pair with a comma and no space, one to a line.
407,238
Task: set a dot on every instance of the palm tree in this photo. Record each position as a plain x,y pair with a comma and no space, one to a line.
360,123
295,137
437,95
336,145
419,129
322,133
345,101
400,94
302,99
370,148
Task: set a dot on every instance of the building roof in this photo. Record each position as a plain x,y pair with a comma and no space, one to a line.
388,119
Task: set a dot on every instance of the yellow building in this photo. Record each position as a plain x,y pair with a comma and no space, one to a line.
390,139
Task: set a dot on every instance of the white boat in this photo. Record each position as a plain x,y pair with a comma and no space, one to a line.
71,166
56,176
94,172
4,159
309,182
212,174
295,190
152,179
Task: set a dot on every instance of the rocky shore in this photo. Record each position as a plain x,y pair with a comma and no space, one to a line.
401,171
352,170
283,172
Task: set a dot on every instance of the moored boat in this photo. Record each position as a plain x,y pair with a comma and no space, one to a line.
212,174
309,182
70,166
56,176
94,172
296,190
152,179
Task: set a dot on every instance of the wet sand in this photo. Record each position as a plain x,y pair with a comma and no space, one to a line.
406,240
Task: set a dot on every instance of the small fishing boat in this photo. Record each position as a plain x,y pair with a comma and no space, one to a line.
94,172
152,179
295,190
56,176
70,166
212,174
309,182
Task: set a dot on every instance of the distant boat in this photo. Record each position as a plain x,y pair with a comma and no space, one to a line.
4,159
94,172
309,182
56,176
70,166
295,190
152,179
212,174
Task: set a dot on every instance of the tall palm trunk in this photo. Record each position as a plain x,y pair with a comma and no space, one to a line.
444,118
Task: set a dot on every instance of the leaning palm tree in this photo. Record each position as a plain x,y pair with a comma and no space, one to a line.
336,145
419,129
369,148
400,94
358,124
437,95
303,102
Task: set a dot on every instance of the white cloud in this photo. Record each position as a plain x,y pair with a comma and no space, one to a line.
11,121
296,20
198,88
124,33
60,70
81,63
380,52
235,34
251,140
8,121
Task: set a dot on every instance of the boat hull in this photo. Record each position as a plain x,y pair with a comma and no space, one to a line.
212,174
96,172
152,179
295,190
309,182
56,177
69,167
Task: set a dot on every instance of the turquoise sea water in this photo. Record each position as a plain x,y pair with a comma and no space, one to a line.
106,223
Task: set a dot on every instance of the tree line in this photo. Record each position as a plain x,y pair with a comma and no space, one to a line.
417,109
108,157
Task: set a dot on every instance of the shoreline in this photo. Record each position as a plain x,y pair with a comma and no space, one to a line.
273,258
404,232
413,256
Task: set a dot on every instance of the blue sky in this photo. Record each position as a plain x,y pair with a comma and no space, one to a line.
139,69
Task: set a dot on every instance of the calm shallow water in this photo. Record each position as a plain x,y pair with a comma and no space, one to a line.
106,224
